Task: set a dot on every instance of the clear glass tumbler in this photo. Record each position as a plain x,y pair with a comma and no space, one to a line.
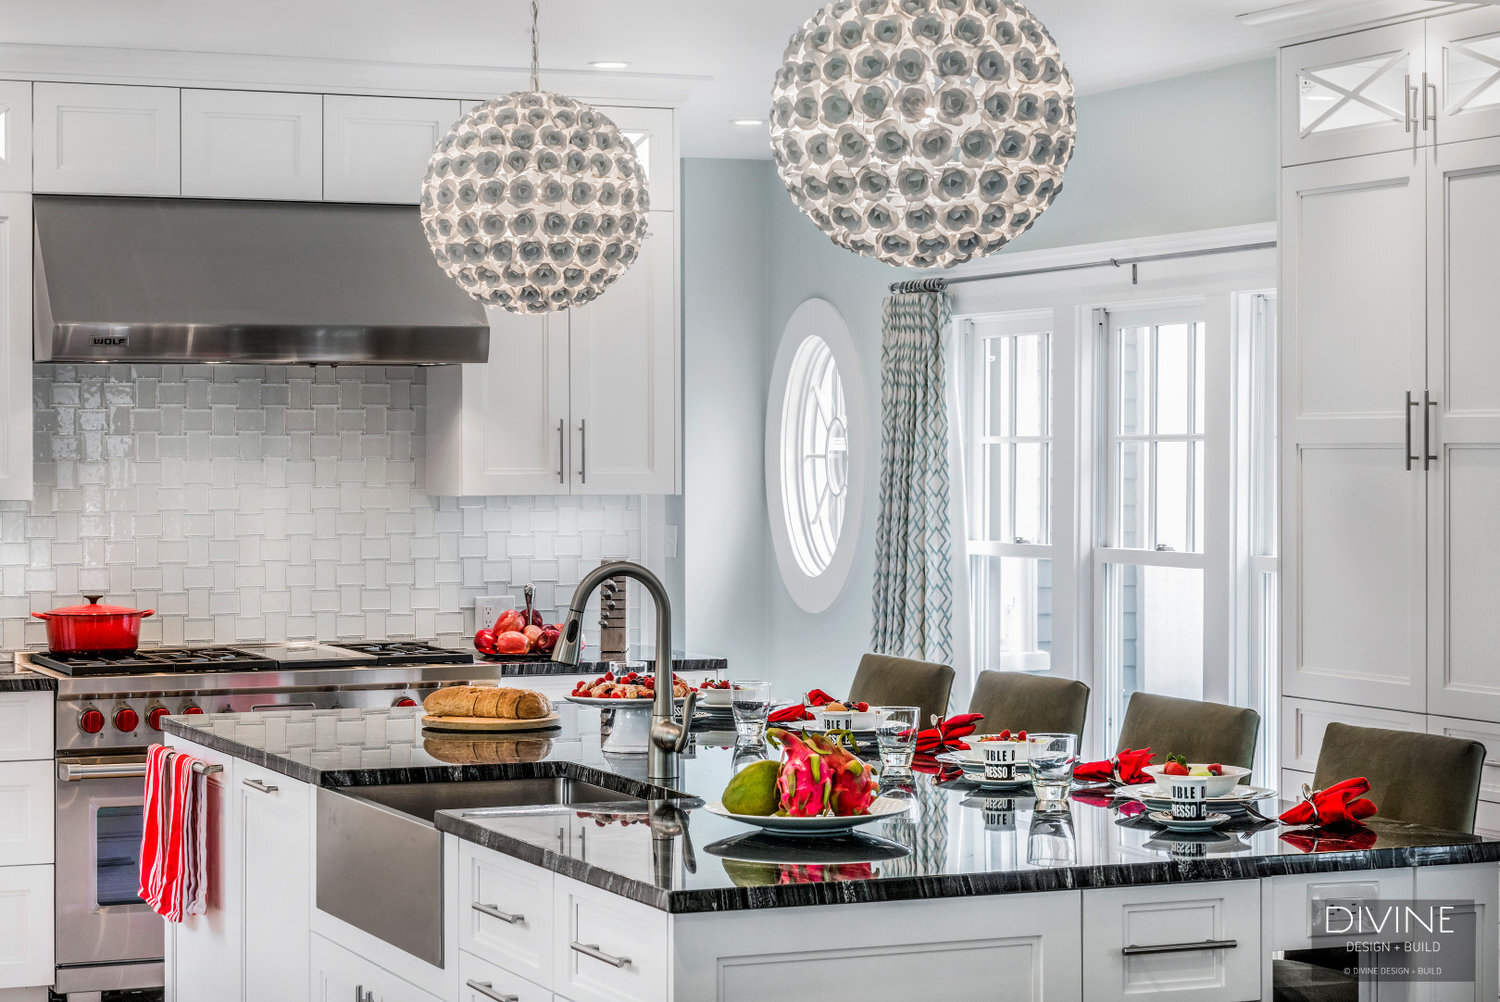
751,702
896,733
1052,757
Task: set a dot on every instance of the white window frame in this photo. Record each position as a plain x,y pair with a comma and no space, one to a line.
1071,298
976,332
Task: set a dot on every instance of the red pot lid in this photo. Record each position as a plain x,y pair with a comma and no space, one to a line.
95,609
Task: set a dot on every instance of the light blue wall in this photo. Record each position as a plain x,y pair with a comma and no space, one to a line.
1193,153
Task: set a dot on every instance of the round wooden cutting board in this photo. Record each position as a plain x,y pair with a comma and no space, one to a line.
489,723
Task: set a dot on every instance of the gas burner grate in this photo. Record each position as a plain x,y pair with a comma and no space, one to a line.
153,660
410,652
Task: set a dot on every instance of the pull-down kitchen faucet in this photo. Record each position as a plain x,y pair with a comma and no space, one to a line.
668,737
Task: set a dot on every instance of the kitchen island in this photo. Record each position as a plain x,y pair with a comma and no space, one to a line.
543,869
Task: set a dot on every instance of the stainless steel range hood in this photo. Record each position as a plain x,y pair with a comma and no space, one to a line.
198,280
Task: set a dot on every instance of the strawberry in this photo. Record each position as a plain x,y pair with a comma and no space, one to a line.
1020,735
1005,734
1174,768
862,706
1216,769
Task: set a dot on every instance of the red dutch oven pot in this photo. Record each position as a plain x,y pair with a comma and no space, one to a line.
93,628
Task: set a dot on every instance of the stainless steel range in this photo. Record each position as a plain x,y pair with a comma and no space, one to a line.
109,709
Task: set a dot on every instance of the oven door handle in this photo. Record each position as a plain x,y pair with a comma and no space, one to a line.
77,772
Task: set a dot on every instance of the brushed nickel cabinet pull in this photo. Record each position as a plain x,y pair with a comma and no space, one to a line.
561,442
487,989
1406,113
256,784
494,912
1410,403
1428,456
592,950
583,451
1207,944
1429,117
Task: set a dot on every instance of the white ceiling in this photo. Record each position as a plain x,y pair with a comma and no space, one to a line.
732,48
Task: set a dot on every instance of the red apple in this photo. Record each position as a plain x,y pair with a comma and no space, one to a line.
511,642
510,621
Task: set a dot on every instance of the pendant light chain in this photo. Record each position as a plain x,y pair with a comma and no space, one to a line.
534,84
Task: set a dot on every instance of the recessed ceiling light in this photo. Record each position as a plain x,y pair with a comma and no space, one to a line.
747,121
609,64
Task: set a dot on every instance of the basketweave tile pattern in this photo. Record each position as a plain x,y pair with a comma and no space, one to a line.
249,503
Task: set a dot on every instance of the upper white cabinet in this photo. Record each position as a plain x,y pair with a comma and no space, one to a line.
252,144
1353,94
375,149
106,139
624,375
1406,86
15,135
15,348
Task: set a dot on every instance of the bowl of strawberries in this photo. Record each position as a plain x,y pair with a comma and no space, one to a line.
1221,778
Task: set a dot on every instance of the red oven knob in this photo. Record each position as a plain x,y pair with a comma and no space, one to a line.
405,701
91,721
126,719
154,715
192,708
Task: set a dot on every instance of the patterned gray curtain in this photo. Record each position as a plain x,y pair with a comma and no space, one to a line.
913,533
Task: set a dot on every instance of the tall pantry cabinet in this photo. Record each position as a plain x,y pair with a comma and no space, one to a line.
1390,384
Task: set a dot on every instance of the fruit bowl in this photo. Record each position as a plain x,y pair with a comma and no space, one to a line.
713,698
844,720
1217,786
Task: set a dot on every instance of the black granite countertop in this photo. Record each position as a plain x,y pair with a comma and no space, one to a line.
593,664
25,681
943,847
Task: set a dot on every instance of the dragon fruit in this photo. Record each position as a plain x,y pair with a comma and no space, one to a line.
851,783
819,775
802,784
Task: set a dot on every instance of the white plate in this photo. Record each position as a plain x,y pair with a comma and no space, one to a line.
1157,799
1165,819
615,704
975,774
880,809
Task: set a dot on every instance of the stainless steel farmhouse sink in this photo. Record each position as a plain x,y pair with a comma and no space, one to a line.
380,858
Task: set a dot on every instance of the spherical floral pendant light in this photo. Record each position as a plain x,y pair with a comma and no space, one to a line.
534,201
922,132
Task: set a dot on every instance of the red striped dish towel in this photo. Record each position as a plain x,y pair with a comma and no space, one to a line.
173,836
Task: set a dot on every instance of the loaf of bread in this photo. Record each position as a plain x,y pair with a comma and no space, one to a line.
497,701
469,750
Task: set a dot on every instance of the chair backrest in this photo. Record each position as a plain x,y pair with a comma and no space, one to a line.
1425,779
886,680
1204,732
1014,700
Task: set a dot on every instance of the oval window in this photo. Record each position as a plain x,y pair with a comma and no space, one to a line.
813,465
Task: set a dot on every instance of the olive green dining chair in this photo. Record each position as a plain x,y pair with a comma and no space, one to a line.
1424,779
1202,731
1018,701
886,680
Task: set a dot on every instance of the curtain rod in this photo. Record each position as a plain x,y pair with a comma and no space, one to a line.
939,284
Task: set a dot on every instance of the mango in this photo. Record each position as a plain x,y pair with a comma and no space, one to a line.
753,789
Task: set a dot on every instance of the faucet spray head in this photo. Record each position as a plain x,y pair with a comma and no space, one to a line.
570,644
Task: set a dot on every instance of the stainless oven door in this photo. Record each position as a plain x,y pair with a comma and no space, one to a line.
100,917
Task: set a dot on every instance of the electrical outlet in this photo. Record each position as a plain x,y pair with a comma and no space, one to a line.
488,608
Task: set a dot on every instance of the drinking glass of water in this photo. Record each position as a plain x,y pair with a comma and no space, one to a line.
1052,757
896,734
751,702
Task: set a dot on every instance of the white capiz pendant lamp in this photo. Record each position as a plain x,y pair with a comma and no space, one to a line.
922,132
534,202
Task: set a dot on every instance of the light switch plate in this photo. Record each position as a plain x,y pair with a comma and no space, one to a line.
488,608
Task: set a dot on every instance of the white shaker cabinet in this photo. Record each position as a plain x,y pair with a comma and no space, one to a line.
1461,431
1463,74
274,826
1352,94
15,135
26,917
340,975
15,352
1353,359
624,371
106,139
375,149
252,144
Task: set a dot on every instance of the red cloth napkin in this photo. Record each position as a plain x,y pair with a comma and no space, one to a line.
173,848
1126,768
1348,839
932,767
817,697
947,733
1341,804
788,714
